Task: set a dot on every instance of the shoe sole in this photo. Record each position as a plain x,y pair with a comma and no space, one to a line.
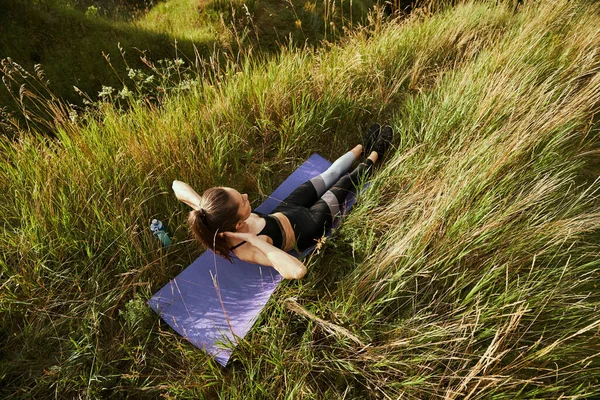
386,135
383,132
372,135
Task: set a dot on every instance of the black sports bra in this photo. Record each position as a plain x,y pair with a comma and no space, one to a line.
272,229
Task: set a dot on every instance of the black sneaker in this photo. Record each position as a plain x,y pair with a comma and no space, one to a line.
384,141
370,138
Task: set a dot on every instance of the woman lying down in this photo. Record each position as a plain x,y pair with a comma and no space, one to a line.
222,218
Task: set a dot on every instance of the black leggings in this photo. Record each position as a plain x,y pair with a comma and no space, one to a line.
312,213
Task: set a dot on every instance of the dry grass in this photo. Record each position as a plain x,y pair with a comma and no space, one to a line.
467,270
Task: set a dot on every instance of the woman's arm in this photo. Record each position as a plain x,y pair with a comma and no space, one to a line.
186,194
264,253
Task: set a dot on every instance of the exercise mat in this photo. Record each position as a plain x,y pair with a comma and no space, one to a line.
213,302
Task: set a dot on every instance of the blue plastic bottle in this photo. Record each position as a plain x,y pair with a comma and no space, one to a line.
160,231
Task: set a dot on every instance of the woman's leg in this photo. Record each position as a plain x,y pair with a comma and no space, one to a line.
310,191
319,218
328,178
329,205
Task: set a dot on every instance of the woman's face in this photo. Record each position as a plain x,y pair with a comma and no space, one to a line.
244,208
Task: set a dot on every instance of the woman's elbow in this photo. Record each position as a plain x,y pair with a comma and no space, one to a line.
297,272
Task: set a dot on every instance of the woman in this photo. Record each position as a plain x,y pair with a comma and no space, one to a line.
223,220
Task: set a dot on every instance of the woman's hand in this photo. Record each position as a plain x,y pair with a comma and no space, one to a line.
186,194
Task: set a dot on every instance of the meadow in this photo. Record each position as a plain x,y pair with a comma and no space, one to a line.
468,269
85,45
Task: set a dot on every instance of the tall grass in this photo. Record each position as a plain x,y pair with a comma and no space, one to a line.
183,19
71,47
69,42
467,270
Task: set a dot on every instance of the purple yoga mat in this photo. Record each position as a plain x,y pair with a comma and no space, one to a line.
213,302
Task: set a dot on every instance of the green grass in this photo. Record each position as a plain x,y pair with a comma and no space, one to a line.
70,46
468,268
182,19
71,42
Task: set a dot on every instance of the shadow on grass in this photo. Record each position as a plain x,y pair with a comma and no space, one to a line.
70,45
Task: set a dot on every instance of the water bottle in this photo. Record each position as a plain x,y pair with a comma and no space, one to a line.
160,231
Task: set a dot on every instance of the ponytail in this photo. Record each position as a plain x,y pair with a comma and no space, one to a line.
202,214
217,212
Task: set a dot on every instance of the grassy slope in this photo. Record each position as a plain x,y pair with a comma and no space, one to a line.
69,43
264,24
182,19
469,266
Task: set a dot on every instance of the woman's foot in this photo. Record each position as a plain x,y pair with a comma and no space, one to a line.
384,141
371,138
